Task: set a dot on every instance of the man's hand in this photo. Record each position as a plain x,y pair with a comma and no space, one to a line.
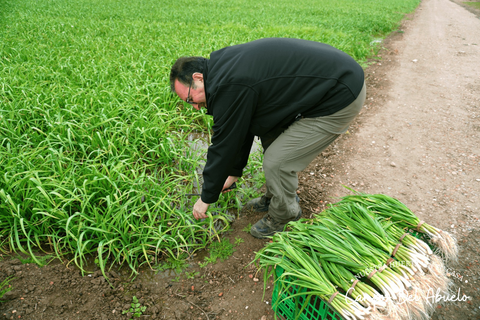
199,209
230,180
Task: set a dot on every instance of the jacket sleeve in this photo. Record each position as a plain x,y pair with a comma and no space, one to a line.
232,109
242,156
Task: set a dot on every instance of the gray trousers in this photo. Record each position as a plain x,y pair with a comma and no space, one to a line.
293,151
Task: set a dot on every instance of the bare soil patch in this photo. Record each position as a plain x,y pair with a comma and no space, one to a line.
417,140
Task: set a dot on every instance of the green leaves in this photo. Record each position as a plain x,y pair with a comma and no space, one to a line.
5,287
136,308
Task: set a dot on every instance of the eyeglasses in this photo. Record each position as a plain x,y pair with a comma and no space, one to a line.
188,100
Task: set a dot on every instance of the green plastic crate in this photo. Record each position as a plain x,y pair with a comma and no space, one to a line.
317,308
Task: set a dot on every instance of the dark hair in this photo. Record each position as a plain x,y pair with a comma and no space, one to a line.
183,69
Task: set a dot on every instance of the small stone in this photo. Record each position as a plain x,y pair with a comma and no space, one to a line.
393,164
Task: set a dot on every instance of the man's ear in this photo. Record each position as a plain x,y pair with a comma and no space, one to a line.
197,76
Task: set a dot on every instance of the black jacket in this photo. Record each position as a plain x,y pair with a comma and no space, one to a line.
255,88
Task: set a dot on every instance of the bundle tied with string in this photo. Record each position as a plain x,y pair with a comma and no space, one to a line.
357,251
399,213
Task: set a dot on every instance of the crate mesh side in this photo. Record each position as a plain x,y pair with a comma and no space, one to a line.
316,309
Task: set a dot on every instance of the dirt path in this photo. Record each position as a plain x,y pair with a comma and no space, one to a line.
420,143
417,140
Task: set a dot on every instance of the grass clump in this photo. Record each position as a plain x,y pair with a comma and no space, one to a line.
40,260
473,4
220,250
247,228
178,265
5,287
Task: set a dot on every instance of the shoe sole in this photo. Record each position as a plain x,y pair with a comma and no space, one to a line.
259,235
263,235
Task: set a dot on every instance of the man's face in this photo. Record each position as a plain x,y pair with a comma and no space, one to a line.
197,91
